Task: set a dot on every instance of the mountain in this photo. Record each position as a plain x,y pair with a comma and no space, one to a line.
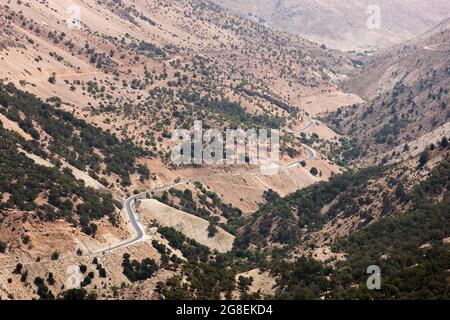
139,72
344,24
406,89
87,114
92,205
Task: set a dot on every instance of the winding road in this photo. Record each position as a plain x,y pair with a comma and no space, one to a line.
311,153
128,205
139,232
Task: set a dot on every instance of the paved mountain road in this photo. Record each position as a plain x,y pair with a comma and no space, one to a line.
128,207
311,153
133,217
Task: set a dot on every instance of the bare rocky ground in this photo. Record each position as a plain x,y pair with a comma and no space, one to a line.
191,226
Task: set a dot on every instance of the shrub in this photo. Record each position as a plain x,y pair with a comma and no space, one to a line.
3,246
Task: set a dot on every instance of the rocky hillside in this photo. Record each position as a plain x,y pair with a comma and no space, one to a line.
140,69
318,242
407,94
91,92
176,59
86,115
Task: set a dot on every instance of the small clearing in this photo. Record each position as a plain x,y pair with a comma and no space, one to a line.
191,226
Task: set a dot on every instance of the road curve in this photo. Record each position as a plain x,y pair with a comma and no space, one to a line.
311,153
128,204
128,207
309,126
139,230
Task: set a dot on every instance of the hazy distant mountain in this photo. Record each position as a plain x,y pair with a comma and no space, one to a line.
345,23
407,92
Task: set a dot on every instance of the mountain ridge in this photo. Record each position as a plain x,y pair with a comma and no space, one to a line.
346,23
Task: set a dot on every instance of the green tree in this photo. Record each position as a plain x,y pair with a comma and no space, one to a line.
3,246
314,171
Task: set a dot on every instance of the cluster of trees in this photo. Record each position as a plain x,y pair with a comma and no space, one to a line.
188,204
235,114
409,269
210,280
231,213
71,138
342,153
3,246
151,49
205,208
78,294
24,274
389,131
25,181
270,99
87,279
174,289
138,271
276,219
43,291
304,279
166,256
395,243
191,250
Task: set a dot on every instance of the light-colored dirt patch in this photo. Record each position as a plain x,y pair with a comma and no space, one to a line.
157,168
426,246
245,190
13,126
40,200
38,160
5,197
324,254
330,101
327,207
243,187
191,226
324,132
318,127
263,282
80,175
